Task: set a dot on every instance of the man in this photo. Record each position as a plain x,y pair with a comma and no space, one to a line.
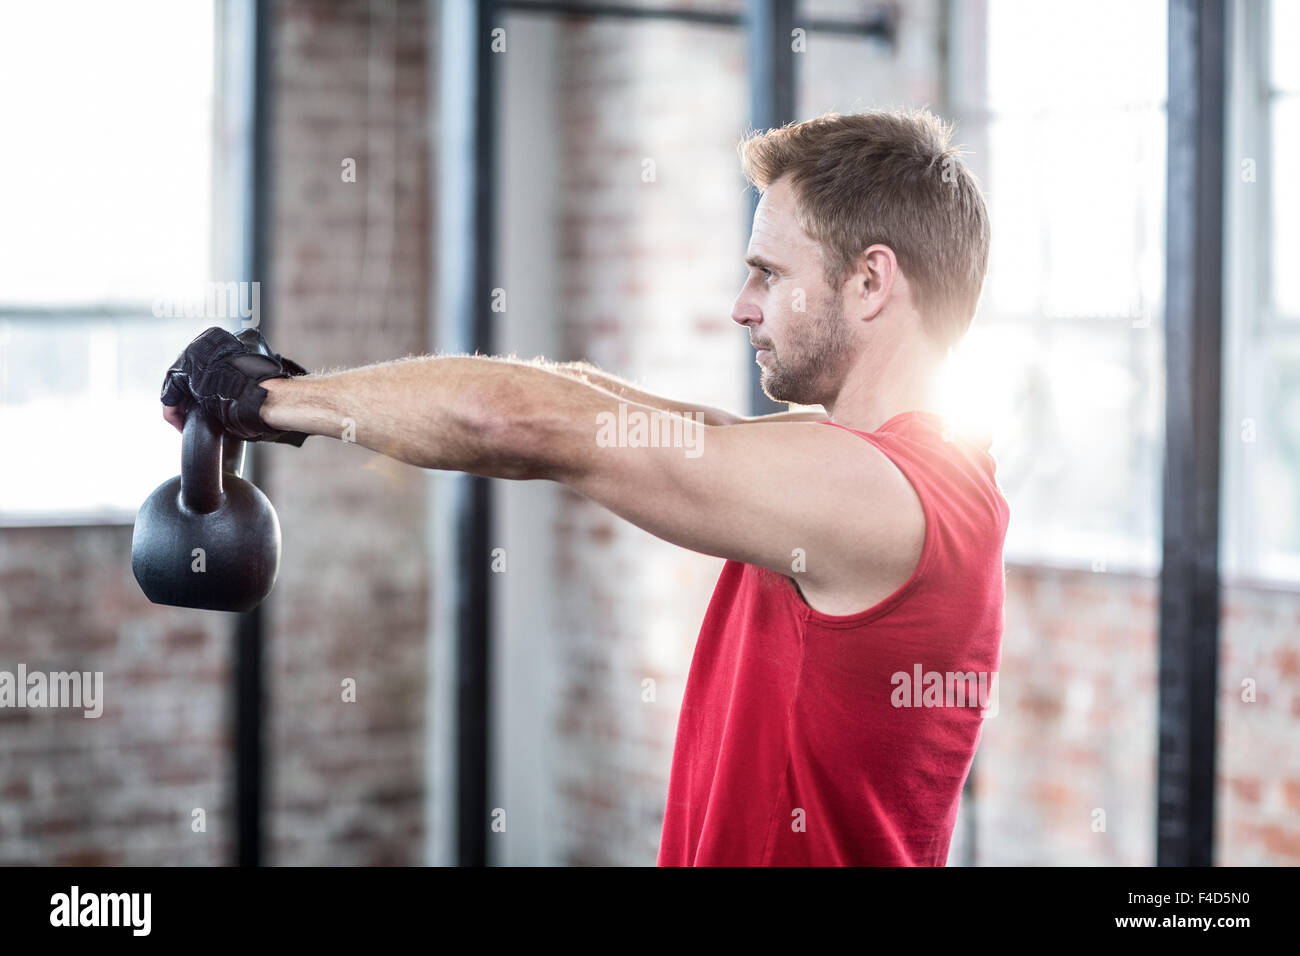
831,712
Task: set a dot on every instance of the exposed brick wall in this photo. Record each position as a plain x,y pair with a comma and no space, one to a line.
119,789
350,275
1077,727
1258,792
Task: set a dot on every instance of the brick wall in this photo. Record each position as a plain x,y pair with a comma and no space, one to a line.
1077,727
119,789
1258,792
350,275
1075,730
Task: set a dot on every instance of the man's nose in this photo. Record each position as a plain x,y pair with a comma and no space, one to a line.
745,313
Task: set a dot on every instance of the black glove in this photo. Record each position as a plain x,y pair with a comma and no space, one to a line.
223,373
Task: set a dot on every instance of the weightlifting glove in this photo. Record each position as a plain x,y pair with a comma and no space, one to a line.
223,373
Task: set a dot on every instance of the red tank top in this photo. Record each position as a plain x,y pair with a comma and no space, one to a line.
813,739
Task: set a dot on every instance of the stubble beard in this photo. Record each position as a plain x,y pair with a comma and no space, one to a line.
812,363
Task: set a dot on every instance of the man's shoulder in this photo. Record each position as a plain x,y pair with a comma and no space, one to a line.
950,464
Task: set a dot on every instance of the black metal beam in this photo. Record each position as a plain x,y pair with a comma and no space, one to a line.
249,792
1189,577
473,331
772,104
248,682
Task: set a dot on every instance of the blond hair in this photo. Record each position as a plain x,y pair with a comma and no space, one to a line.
890,177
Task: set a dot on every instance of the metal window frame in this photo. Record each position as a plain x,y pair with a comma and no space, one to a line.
249,27
1189,578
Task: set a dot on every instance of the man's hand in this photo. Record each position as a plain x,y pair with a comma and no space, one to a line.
224,374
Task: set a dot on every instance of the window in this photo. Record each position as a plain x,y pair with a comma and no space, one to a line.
1261,421
1062,106
111,236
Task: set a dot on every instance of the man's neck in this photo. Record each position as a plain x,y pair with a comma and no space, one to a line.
872,396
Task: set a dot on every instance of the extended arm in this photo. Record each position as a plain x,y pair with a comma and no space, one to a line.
483,415
750,493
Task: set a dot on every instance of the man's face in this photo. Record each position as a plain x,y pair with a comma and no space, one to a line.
794,319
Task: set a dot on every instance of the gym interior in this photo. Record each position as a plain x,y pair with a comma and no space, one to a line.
454,670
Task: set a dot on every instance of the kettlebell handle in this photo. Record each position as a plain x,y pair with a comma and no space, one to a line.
206,453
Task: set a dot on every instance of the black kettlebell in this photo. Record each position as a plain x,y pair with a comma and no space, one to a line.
207,538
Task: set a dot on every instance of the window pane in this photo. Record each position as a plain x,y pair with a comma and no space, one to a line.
96,378
1077,204
1286,201
1275,439
1286,44
1063,362
1062,57
1077,417
106,191
105,174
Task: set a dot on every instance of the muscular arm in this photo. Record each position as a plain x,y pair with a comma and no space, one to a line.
749,493
480,414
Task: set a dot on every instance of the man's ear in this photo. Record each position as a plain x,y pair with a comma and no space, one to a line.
874,278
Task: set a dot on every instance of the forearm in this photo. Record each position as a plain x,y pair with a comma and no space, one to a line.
711,416
585,372
466,413
482,415
799,416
